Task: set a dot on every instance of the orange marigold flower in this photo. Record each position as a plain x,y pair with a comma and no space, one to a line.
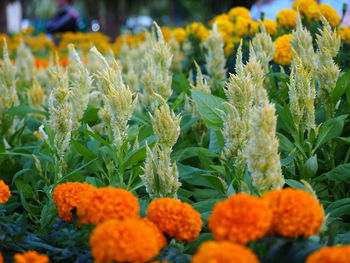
30,257
1,258
176,218
241,218
283,50
105,203
238,11
130,240
67,197
4,192
287,17
161,238
295,212
330,14
336,254
223,252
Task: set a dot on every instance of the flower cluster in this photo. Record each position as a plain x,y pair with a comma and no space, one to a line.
223,252
130,240
30,257
241,218
101,204
175,218
336,254
67,197
295,212
4,192
283,50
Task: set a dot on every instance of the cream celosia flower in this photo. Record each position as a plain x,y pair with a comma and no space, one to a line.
327,71
157,76
328,39
60,111
161,178
240,92
302,94
201,83
215,58
255,70
80,85
166,125
8,90
262,156
24,65
264,48
175,50
36,95
302,44
118,98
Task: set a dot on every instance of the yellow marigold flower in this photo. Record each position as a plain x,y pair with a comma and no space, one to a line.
238,11
244,26
223,252
166,31
67,197
295,212
271,26
130,240
225,27
312,12
335,254
4,192
287,17
30,257
228,48
221,17
230,43
175,218
197,30
179,34
283,50
330,14
101,204
344,33
303,5
240,219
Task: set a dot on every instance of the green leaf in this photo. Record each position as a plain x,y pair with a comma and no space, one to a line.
98,138
24,188
342,84
284,143
285,119
330,129
295,184
80,148
280,75
217,141
206,205
93,181
310,167
340,173
337,204
23,110
139,154
207,106
192,152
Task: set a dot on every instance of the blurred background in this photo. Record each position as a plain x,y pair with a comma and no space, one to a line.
112,16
